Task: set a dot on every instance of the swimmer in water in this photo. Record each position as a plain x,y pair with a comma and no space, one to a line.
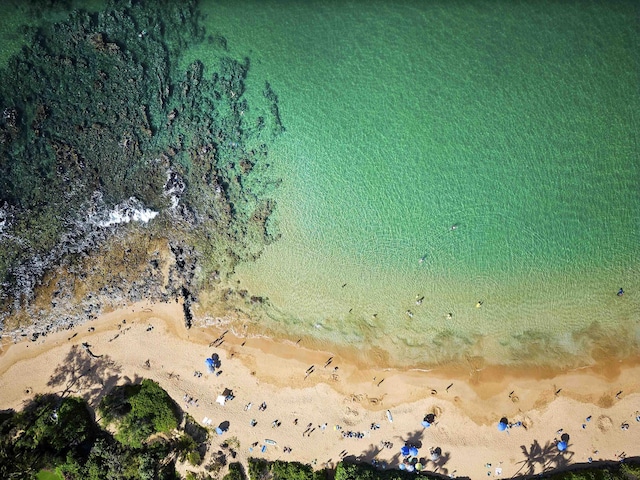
454,226
419,300
422,259
479,304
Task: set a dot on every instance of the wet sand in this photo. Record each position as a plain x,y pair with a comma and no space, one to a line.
468,399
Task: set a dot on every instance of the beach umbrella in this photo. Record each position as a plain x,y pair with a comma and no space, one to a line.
410,468
402,466
413,451
504,423
210,365
219,431
425,424
562,446
419,466
404,450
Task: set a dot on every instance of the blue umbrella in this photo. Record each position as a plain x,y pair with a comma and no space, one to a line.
504,423
413,451
402,466
219,431
210,364
404,451
425,424
562,446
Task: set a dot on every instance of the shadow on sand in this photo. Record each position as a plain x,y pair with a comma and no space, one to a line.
433,462
85,375
539,459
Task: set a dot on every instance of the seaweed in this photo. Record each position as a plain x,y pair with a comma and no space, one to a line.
95,114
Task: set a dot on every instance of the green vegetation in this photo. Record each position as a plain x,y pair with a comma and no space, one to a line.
279,470
44,434
350,471
236,472
55,438
621,471
48,475
347,471
139,411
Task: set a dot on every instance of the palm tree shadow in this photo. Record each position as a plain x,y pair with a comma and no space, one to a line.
414,438
370,454
542,458
86,375
560,460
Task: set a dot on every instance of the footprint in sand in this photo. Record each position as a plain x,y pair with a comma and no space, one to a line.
436,410
351,412
604,423
350,417
527,423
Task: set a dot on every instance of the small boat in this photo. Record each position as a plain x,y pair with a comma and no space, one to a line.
269,442
389,416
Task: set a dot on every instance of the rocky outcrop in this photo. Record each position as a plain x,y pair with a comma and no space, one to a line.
93,145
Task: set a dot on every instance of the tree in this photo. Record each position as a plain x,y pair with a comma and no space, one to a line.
236,472
139,411
44,434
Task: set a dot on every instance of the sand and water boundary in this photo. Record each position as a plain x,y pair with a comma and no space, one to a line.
316,401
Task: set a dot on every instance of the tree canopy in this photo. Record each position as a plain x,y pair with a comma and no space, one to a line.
139,411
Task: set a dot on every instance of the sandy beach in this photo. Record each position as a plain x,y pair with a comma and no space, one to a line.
314,398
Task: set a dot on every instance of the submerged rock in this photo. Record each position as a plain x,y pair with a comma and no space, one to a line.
104,142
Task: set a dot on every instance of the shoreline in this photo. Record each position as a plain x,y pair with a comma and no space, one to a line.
468,400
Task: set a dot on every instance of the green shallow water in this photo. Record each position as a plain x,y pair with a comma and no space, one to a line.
517,122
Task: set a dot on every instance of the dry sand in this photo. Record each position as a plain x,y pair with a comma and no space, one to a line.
468,400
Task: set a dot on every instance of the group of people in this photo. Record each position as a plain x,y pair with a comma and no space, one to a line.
190,401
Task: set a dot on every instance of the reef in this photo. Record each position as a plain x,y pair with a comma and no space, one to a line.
122,177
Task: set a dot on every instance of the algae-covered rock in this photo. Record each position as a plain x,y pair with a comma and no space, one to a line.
97,123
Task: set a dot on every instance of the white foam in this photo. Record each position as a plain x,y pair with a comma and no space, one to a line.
130,210
5,216
173,187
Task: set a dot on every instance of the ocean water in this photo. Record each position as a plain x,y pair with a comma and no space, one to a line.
463,152
479,158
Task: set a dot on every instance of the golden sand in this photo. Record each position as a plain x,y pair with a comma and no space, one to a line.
350,392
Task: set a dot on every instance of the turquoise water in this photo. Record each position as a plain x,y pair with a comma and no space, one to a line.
514,122
451,152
